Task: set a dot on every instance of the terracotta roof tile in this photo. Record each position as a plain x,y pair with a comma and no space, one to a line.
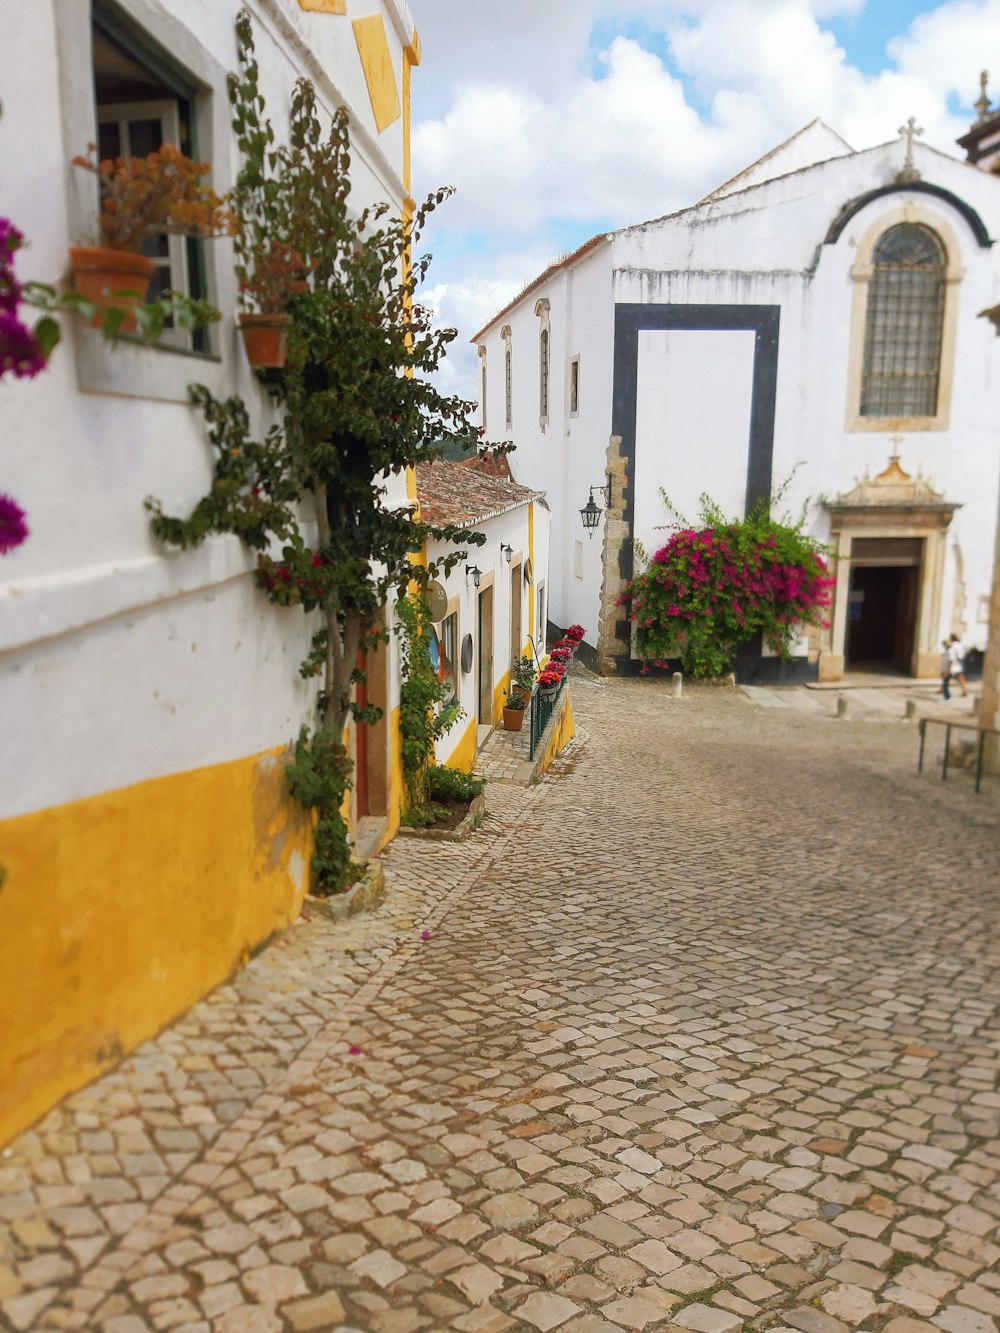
455,492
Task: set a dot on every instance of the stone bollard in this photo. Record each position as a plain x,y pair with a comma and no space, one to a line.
911,709
678,680
841,705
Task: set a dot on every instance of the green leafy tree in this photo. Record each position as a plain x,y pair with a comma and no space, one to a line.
357,406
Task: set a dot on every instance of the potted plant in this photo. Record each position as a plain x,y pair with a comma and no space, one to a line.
276,274
575,634
141,197
522,678
550,680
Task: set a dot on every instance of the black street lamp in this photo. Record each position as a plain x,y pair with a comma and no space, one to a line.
476,572
507,550
591,512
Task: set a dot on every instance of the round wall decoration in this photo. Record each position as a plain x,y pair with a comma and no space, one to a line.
436,600
529,573
468,653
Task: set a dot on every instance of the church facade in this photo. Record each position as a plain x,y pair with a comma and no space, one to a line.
808,331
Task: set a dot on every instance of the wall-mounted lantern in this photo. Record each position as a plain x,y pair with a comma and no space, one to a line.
476,572
591,512
507,550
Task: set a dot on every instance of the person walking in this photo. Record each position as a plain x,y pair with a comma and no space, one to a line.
945,669
957,654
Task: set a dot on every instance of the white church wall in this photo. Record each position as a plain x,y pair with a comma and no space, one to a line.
692,424
590,320
767,246
719,260
569,455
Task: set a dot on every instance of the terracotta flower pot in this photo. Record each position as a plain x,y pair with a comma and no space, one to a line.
265,338
513,719
100,274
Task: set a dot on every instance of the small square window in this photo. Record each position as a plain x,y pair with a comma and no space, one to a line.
143,102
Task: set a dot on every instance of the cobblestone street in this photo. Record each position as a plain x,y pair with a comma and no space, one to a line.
701,1032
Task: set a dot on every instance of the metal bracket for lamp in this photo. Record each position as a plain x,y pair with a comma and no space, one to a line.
591,512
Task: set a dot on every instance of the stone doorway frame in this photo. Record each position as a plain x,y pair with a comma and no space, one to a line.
893,504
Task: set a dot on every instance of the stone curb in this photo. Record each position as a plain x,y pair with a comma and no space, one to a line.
361,897
468,826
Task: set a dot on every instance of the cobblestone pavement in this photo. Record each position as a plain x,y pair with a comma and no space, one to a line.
703,1035
506,755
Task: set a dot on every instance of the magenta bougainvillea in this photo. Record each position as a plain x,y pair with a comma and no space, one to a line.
713,587
13,524
20,356
20,351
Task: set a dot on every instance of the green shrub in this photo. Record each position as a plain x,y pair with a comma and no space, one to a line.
423,816
450,784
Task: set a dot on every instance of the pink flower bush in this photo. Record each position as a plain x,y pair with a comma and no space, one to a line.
13,525
710,589
20,352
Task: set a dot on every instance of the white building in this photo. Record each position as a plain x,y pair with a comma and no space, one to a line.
148,695
495,600
815,318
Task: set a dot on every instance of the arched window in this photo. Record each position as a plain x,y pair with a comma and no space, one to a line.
508,378
482,390
542,311
543,375
904,324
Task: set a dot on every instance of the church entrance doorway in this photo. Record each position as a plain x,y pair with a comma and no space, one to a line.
882,603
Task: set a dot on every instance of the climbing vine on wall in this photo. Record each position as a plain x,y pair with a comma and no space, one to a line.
356,405
421,720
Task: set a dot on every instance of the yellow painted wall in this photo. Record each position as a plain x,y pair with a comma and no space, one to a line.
396,788
411,57
561,736
499,695
376,62
464,754
118,912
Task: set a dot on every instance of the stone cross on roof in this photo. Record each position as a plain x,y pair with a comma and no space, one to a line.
983,105
908,132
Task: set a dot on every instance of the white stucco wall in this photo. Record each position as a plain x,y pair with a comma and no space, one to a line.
512,529
569,455
765,245
142,661
692,423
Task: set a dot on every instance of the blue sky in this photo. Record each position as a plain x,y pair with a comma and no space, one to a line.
865,36
562,118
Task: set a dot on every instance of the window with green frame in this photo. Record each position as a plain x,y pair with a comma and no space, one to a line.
144,99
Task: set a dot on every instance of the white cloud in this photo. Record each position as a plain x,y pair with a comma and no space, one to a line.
544,137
